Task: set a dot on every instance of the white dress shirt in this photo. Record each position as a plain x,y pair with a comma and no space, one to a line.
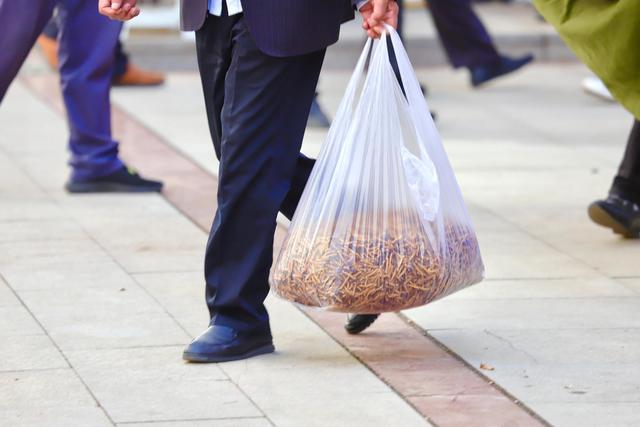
234,6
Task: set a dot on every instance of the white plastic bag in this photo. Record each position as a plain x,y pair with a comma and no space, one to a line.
381,225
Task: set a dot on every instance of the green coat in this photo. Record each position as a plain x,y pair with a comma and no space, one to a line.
605,35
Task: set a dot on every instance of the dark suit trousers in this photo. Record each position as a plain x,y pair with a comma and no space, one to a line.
628,179
257,106
463,36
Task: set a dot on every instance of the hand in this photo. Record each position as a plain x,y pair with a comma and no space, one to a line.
122,10
376,13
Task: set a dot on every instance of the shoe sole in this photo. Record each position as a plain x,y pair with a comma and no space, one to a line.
603,218
87,187
204,358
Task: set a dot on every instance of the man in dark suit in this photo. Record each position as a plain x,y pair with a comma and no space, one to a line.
259,62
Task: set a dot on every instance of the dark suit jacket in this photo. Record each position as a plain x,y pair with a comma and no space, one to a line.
282,27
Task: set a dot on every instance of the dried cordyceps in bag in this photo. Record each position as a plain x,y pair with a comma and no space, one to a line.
381,225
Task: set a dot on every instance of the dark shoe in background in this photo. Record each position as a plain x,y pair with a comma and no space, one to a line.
317,118
505,65
121,181
357,323
224,344
617,213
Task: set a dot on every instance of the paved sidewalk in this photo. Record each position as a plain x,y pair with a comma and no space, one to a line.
100,293
558,317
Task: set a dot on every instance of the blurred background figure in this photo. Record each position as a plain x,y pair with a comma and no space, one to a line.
604,35
620,211
87,43
467,42
124,72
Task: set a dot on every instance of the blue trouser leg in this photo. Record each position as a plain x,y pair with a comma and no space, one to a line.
258,107
122,60
20,26
463,35
87,42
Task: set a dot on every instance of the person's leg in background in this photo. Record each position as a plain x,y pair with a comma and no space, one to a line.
86,66
257,107
621,210
124,72
468,44
19,29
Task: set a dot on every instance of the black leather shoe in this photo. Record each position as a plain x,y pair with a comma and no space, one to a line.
617,213
357,323
224,344
123,180
483,73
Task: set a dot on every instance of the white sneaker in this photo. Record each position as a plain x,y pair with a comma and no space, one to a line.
594,86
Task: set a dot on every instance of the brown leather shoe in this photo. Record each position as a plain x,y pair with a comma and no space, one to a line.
49,49
135,76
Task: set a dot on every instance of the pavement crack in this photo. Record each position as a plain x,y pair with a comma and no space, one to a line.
512,345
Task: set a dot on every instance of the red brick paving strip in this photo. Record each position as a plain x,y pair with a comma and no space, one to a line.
437,384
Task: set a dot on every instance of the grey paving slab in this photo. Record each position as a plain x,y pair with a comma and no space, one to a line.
309,374
153,384
181,294
500,347
29,352
142,233
59,264
17,321
7,297
613,414
49,397
632,283
526,314
58,416
40,229
103,318
230,422
592,287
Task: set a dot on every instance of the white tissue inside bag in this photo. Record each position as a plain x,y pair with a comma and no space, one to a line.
422,180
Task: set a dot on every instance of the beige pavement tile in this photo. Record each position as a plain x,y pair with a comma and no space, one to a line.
26,209
570,382
611,414
7,297
545,288
144,234
607,253
29,352
181,294
17,321
499,348
510,253
39,230
309,373
153,384
633,284
543,313
58,416
54,397
103,318
230,422
13,182
59,264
